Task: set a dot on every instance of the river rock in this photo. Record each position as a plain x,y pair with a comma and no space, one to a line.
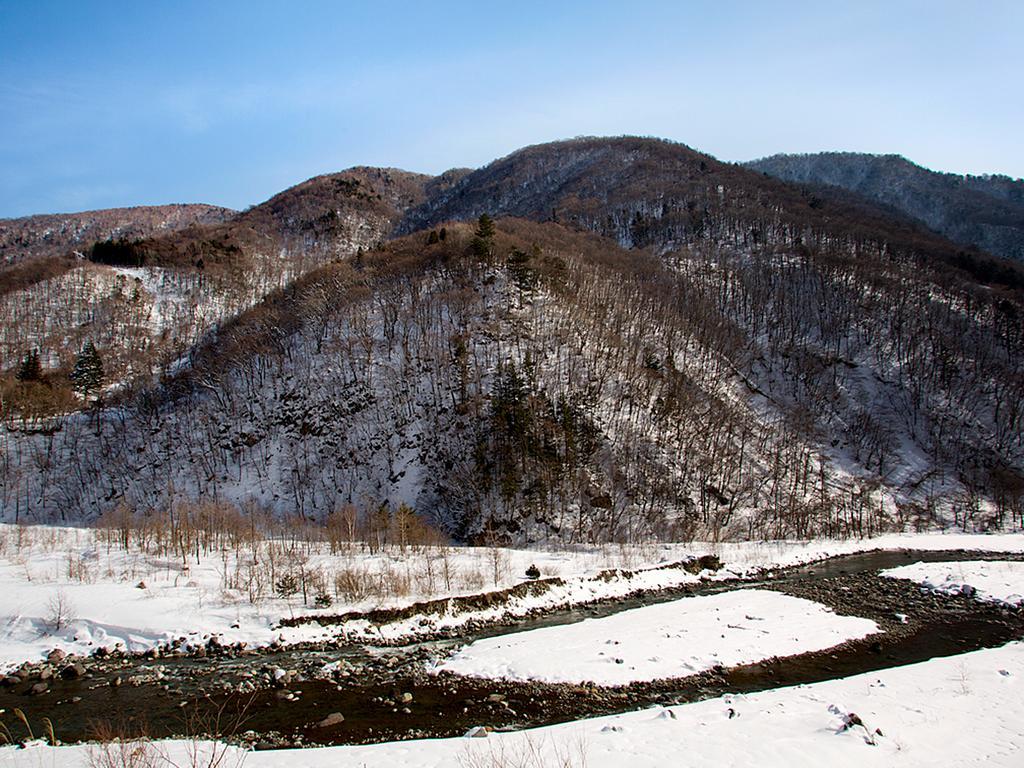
73,671
56,656
333,719
405,698
39,688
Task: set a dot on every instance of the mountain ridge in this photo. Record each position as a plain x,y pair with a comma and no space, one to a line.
56,234
984,211
651,343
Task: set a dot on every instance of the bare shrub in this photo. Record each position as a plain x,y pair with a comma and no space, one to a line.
78,569
209,754
353,584
525,752
205,727
60,611
121,752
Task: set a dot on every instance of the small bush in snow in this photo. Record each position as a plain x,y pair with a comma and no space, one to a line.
60,611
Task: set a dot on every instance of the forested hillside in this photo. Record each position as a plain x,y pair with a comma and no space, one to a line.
144,301
984,211
674,347
59,234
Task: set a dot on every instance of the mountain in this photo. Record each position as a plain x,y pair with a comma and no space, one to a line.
654,193
61,233
650,344
984,211
152,286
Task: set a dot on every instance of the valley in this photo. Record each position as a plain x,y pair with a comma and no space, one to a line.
599,436
534,385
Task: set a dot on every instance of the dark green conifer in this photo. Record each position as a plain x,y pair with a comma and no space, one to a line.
87,375
483,238
30,369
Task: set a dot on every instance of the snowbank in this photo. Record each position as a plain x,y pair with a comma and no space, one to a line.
998,581
747,556
671,639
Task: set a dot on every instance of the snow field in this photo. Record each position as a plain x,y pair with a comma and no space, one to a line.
196,599
673,639
137,600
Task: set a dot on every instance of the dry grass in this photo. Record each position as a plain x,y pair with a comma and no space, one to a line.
523,751
126,753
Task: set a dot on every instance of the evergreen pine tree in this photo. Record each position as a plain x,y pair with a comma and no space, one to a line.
87,375
483,238
485,227
30,369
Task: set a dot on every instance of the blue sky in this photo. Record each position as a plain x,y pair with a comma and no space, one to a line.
109,103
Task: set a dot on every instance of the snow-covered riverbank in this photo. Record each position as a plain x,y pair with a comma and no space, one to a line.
963,710
62,587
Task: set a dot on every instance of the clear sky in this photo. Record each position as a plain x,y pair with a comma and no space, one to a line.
123,103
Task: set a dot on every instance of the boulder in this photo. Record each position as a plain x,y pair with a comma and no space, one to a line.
73,671
333,719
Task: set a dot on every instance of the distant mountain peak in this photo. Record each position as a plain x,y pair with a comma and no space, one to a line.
985,211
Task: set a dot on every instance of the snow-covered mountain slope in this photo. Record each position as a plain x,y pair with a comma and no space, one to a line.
985,211
551,384
144,299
